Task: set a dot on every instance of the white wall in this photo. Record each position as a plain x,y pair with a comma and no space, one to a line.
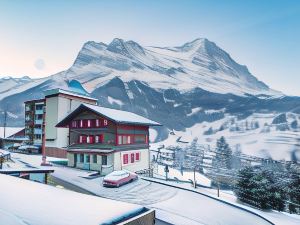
57,108
142,164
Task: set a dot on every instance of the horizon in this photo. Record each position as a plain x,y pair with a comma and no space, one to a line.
257,34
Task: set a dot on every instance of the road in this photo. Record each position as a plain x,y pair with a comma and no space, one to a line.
175,206
54,181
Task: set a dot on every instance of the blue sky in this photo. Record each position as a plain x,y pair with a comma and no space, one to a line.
40,38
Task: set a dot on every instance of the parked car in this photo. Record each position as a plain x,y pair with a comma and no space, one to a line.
119,178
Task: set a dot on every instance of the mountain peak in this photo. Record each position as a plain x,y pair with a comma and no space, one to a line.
126,48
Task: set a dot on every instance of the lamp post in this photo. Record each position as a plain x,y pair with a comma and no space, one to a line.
4,123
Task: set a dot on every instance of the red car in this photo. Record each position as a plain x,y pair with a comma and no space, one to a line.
119,178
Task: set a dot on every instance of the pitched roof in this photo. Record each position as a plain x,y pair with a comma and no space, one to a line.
118,116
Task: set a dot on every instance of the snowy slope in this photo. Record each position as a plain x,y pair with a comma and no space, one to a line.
254,135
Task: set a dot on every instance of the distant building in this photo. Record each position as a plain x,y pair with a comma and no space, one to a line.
105,139
59,103
56,105
34,110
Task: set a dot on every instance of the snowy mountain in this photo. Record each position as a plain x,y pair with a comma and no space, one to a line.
180,87
199,63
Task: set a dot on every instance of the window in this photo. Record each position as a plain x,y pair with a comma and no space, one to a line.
104,160
87,158
120,139
97,123
80,139
98,138
81,123
137,156
81,158
128,140
94,158
124,140
88,123
125,159
140,139
74,123
132,157
88,139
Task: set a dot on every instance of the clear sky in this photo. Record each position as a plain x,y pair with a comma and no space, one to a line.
40,38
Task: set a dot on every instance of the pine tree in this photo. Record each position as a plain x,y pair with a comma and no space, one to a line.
223,157
294,124
294,193
236,158
261,190
243,186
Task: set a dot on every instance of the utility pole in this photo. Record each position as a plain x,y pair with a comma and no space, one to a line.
195,184
4,127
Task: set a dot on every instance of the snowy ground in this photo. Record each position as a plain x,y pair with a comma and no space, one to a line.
172,205
26,202
265,141
272,215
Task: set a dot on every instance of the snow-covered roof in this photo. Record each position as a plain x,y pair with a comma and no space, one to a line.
118,116
67,92
26,202
9,131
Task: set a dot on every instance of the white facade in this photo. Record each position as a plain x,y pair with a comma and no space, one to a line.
58,107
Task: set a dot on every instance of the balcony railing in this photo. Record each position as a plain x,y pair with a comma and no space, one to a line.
39,111
37,131
38,122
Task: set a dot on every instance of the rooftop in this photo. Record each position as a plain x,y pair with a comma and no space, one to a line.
118,116
23,206
57,91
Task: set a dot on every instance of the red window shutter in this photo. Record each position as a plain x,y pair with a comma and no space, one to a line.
137,156
146,139
101,138
132,157
83,139
125,159
92,139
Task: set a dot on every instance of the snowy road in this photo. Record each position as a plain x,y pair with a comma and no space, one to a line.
172,205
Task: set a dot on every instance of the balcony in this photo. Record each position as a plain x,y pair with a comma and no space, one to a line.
37,131
39,111
40,122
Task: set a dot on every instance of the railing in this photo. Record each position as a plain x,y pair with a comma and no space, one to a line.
39,111
37,131
38,122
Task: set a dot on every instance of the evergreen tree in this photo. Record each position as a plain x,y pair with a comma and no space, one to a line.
294,193
294,124
260,192
223,157
236,158
243,186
